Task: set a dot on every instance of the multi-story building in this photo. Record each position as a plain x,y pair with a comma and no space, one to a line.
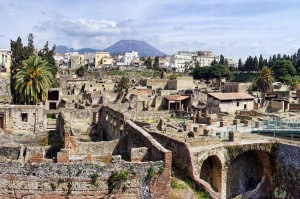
5,60
89,59
129,58
181,60
102,58
203,58
184,60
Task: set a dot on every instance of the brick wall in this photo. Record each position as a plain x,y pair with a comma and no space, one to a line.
138,137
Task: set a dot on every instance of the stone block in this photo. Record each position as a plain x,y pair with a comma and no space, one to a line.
63,156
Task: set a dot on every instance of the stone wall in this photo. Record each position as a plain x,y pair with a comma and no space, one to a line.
138,137
181,158
112,123
49,180
288,170
23,118
154,82
9,152
294,107
276,106
103,148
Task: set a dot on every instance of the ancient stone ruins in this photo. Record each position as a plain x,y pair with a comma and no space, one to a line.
87,141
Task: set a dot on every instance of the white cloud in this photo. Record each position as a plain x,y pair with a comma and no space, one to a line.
85,27
228,27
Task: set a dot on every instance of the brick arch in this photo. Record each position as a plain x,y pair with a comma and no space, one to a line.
211,172
218,152
246,169
231,152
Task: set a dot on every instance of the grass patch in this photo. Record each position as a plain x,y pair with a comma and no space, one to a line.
176,185
43,141
198,191
84,140
117,72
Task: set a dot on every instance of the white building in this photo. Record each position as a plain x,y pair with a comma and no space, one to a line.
204,58
128,58
229,102
180,60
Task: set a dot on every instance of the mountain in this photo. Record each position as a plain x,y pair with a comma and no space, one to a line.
87,50
64,49
122,46
142,47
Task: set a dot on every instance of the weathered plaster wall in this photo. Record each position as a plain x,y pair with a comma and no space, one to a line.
34,118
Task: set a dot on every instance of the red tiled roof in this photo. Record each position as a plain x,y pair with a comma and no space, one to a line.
231,96
176,97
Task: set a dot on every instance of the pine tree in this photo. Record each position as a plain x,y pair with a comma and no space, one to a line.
29,49
222,60
261,62
47,55
240,65
255,64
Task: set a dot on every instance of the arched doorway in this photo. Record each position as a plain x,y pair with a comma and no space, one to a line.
250,174
211,172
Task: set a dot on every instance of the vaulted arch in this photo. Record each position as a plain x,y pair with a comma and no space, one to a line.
211,172
250,173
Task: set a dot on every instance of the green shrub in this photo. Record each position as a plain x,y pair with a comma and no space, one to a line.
161,170
150,173
116,180
94,178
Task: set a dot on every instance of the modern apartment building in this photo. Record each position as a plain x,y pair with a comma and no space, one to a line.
128,58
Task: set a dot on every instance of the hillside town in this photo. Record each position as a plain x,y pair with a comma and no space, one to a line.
188,125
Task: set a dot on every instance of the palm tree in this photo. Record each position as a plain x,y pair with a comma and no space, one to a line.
264,82
33,79
122,84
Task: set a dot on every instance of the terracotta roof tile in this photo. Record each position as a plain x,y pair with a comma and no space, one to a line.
176,97
231,96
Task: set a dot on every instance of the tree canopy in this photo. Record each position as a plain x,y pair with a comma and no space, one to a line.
21,53
264,82
33,79
210,72
284,71
122,84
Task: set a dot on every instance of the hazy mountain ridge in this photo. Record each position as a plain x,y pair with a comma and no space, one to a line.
122,46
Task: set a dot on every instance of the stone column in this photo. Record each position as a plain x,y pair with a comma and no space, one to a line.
224,182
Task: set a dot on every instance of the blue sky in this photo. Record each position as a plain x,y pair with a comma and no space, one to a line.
235,28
